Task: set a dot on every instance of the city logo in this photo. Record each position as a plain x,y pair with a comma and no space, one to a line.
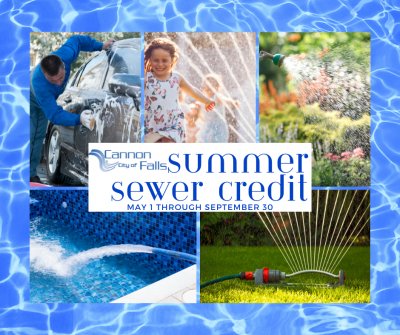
104,166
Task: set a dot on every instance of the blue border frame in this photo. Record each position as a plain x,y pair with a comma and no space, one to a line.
19,18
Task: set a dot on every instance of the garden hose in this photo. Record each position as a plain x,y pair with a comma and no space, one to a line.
273,277
211,282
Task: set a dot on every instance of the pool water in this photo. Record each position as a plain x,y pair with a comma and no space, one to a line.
102,280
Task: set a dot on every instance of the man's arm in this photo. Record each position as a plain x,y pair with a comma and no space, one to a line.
61,117
45,99
55,113
69,52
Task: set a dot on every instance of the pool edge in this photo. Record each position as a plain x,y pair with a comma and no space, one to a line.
167,290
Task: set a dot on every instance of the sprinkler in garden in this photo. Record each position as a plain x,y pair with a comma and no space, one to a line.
307,254
318,254
276,59
268,277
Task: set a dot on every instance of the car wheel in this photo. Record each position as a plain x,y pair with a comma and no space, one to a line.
53,159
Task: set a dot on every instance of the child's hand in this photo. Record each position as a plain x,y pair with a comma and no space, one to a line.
210,105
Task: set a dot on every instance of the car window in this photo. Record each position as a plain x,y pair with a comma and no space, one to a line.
93,72
73,78
123,60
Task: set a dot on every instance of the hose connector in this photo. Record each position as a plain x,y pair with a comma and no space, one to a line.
276,59
265,276
246,276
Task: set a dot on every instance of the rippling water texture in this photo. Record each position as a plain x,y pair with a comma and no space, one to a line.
19,18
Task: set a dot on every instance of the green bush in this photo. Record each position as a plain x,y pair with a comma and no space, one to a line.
286,125
332,132
330,129
247,229
352,172
327,131
234,229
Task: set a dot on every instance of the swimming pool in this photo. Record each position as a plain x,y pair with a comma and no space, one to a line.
55,236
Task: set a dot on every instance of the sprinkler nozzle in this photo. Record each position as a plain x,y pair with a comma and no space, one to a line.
266,276
276,59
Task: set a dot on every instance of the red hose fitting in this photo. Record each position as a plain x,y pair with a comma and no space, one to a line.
266,275
249,276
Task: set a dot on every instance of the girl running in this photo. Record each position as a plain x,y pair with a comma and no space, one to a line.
164,119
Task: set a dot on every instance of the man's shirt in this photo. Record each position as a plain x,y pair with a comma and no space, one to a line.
44,94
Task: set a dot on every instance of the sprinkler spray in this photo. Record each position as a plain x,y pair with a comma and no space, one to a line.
276,59
267,277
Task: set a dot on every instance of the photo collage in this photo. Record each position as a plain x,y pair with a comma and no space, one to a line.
200,89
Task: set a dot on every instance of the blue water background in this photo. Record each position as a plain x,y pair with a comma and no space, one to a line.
19,18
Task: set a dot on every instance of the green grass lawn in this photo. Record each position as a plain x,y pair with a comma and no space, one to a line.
216,262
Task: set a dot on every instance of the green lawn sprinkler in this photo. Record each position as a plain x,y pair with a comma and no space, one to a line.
268,277
276,59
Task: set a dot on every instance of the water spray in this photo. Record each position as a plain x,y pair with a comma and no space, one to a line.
267,277
276,59
300,260
49,257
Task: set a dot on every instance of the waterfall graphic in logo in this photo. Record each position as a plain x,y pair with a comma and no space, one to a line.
104,166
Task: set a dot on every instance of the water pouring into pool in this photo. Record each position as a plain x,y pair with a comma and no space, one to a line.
49,256
70,265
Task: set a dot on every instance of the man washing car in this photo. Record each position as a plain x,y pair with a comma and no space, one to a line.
47,82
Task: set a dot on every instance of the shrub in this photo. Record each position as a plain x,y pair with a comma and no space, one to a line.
334,132
327,131
233,229
351,172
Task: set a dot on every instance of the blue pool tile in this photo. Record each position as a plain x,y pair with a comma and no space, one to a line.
173,231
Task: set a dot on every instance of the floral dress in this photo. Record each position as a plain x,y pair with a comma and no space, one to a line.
163,114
